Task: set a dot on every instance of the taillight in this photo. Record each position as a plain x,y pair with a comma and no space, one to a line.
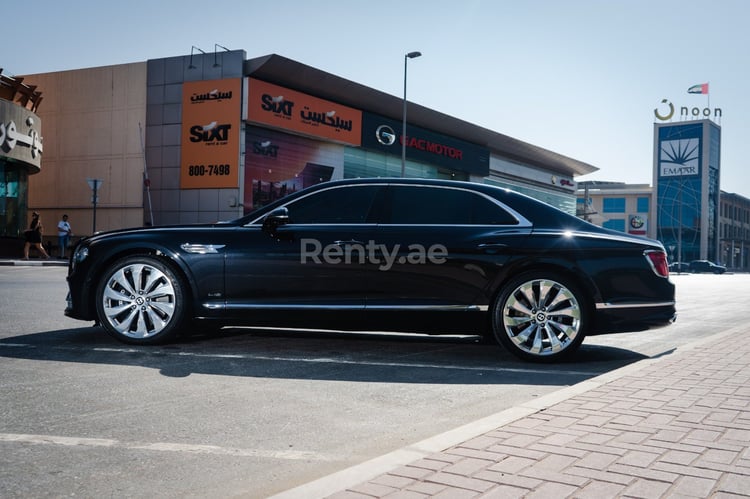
658,261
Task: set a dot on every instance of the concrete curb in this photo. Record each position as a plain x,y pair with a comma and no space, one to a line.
35,263
363,472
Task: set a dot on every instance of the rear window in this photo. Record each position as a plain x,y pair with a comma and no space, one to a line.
422,205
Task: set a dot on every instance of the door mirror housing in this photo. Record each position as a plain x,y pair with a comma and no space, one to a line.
275,219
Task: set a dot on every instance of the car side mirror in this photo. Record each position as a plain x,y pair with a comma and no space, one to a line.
275,219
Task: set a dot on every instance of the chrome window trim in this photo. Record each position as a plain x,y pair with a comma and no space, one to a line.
523,222
260,219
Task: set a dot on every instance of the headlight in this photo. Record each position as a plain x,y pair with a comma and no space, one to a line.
81,254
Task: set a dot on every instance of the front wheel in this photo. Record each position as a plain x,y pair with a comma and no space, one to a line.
140,300
539,317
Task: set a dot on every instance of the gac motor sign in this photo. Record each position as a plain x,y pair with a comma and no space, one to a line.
384,135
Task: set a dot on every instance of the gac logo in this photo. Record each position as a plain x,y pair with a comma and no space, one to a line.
385,135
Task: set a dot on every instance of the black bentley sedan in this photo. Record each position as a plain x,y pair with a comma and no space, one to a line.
411,255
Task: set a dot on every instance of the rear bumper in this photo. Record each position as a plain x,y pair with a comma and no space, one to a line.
632,317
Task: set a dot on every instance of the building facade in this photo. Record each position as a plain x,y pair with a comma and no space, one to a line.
686,183
618,206
735,231
627,208
211,136
21,149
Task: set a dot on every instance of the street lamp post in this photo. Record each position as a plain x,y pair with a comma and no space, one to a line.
410,55
94,183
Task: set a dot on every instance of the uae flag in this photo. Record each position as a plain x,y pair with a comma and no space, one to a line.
698,89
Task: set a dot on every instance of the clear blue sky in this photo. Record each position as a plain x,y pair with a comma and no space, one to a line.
579,77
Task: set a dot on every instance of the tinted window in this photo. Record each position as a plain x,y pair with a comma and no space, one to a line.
643,204
437,205
340,205
613,205
616,224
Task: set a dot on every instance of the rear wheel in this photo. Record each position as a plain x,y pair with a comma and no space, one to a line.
141,300
540,317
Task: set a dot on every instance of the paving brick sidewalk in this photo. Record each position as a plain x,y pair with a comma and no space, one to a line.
678,426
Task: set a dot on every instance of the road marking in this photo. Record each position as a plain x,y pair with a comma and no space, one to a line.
161,447
319,360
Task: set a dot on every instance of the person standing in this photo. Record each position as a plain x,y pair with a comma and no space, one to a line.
33,237
63,234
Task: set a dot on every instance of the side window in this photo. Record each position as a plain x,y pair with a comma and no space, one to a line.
439,205
613,205
339,205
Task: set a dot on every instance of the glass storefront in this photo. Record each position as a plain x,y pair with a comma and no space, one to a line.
360,163
564,202
680,217
13,199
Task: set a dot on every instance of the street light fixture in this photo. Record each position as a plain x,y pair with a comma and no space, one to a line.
410,55
192,51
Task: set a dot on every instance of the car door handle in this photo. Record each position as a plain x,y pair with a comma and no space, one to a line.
492,248
348,243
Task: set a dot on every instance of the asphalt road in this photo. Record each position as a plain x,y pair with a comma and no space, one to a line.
255,412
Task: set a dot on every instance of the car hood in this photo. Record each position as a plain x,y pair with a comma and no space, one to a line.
154,230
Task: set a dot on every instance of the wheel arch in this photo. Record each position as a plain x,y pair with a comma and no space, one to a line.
536,341
166,256
565,269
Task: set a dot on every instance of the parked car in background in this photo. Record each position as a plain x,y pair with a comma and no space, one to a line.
698,266
411,255
679,267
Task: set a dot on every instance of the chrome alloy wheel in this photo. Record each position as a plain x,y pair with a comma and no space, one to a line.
138,301
541,317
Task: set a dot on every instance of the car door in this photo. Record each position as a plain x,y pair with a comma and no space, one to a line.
440,247
314,260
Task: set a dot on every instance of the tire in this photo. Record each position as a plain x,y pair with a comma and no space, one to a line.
540,317
141,301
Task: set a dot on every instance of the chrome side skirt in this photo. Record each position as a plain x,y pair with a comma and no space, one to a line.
393,308
612,306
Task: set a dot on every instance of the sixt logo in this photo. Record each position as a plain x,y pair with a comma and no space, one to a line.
213,132
277,105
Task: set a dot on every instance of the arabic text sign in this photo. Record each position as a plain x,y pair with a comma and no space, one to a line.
210,134
283,108
20,138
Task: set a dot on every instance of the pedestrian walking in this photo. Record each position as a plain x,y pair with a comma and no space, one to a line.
33,237
64,232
